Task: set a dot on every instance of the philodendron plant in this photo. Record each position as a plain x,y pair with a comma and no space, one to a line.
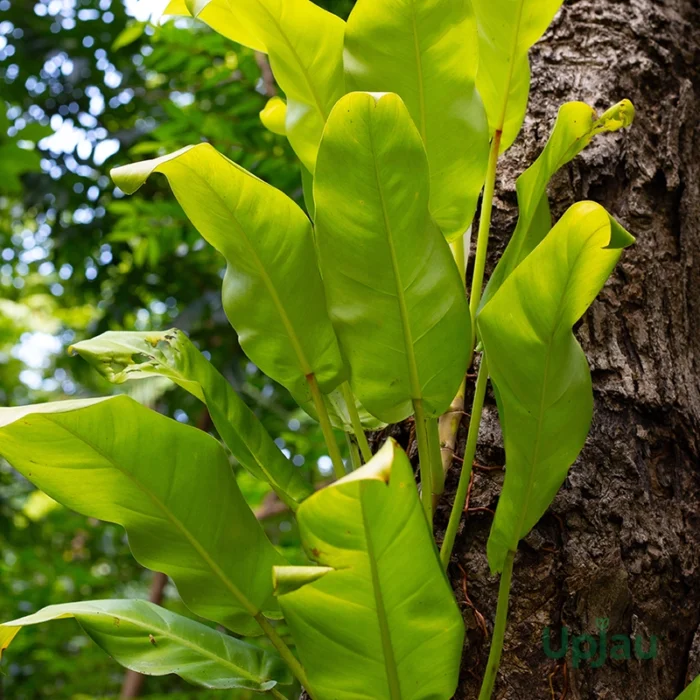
360,309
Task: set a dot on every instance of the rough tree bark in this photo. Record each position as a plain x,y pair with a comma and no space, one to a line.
622,540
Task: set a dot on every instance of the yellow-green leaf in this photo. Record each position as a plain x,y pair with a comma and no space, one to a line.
376,619
575,127
692,692
273,116
305,45
539,371
169,485
426,51
272,292
507,31
124,356
394,292
149,639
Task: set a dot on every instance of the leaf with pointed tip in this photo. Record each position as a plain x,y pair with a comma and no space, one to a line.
394,292
149,639
169,485
575,127
121,356
426,51
376,619
272,292
507,31
305,45
545,399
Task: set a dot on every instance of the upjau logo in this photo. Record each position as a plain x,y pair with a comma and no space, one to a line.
596,650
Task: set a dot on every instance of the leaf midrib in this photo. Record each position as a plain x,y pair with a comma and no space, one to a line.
511,66
251,609
181,640
305,365
304,72
419,75
392,672
540,413
414,380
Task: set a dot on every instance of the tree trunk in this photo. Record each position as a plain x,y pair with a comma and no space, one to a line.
621,544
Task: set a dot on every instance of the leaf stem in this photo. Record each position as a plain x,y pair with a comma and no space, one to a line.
276,694
284,651
482,243
355,460
437,475
448,424
466,473
357,428
482,239
499,629
424,456
458,253
326,427
448,427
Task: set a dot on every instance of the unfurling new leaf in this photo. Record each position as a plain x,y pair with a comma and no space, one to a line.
575,127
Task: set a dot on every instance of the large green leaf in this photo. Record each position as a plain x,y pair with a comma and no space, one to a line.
273,294
507,31
376,618
426,51
168,484
394,292
539,370
305,46
151,640
575,127
120,357
229,20
692,692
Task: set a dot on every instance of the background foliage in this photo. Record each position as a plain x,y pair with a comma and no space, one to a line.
86,85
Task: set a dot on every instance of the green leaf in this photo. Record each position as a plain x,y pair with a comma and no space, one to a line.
229,21
149,639
507,31
394,292
130,355
376,619
539,370
340,414
128,35
426,51
168,484
307,186
273,116
692,692
305,45
272,292
575,127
